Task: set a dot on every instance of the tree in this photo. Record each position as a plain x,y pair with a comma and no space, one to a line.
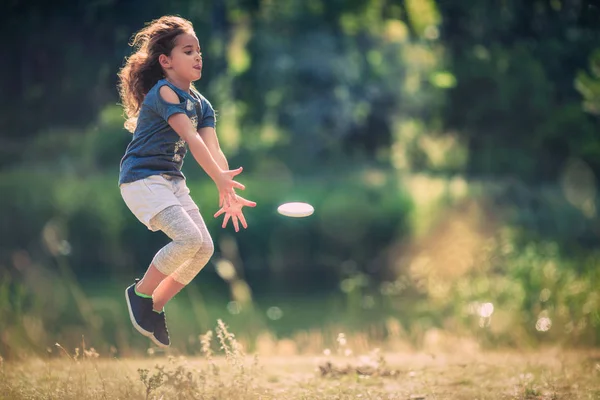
515,63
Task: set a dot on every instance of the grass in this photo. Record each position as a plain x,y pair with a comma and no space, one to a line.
226,372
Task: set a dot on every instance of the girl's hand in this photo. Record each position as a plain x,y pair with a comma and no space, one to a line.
226,185
234,211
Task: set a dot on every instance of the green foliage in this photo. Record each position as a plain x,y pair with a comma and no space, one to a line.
424,16
535,292
318,100
96,221
336,79
514,65
322,78
589,85
353,222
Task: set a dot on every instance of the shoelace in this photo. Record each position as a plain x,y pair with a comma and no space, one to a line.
160,321
147,308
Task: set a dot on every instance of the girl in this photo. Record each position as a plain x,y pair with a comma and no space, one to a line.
164,113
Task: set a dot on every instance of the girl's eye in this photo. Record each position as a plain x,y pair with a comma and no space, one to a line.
188,52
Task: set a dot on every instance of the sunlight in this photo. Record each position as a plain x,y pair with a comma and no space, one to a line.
486,310
423,14
225,269
396,31
274,313
543,324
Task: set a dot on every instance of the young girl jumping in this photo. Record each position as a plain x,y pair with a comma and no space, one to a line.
165,112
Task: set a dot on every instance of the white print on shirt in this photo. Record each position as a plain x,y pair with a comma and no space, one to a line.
178,146
189,105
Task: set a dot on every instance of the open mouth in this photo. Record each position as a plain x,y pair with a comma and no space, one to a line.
198,67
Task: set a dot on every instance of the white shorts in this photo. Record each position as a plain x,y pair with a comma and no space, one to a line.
149,196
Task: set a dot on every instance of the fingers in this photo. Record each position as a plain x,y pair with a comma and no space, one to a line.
227,186
225,220
243,220
238,185
232,205
248,203
236,225
234,172
228,198
236,217
231,174
245,202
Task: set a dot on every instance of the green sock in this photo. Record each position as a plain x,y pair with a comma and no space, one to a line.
158,312
145,296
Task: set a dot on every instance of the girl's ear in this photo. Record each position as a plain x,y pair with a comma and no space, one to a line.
164,61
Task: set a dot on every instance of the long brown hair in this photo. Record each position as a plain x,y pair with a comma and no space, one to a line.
142,69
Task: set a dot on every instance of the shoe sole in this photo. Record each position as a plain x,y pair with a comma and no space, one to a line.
132,318
139,328
158,343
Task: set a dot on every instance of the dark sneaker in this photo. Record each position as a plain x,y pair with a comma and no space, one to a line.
160,337
140,311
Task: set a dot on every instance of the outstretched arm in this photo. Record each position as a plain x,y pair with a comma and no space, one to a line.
234,211
222,177
209,136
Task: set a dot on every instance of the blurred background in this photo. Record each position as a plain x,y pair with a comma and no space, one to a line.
451,150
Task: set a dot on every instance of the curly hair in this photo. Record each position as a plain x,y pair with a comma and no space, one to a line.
142,69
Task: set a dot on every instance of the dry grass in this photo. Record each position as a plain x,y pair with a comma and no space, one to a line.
83,374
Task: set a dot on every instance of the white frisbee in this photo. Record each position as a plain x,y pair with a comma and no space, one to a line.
295,209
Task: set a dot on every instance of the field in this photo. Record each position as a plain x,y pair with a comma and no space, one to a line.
231,374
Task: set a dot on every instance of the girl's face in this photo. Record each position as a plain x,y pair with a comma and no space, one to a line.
185,61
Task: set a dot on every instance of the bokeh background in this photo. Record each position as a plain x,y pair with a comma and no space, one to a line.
451,150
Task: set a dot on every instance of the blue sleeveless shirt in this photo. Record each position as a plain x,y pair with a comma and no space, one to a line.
155,147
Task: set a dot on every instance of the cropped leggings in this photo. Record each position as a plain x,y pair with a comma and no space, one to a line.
191,247
163,203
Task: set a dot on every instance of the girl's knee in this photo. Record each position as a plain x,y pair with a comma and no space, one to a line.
192,243
205,252
197,244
